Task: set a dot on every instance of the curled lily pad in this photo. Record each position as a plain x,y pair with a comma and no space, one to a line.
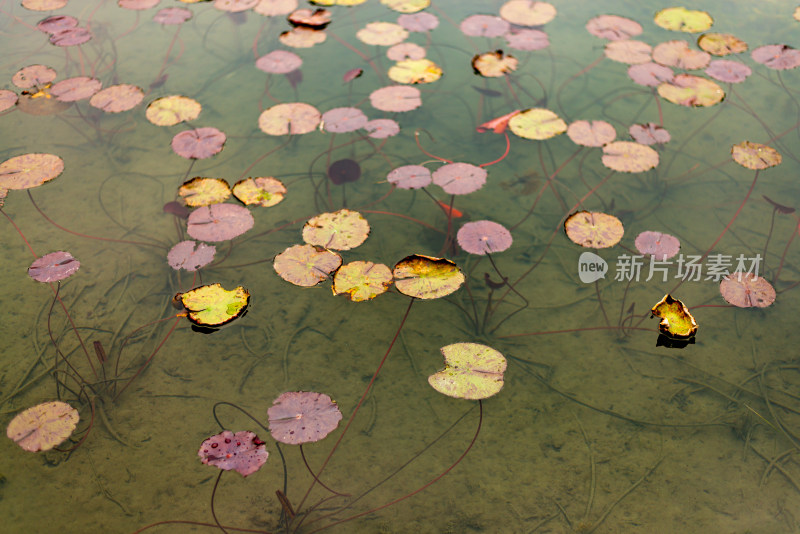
472,371
298,417
264,191
746,290
676,321
755,155
213,306
242,452
593,229
339,230
306,265
424,277
362,280
53,267
201,191
43,426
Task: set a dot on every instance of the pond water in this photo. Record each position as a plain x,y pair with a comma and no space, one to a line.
600,426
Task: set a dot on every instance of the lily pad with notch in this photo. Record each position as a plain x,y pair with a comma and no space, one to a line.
306,265
340,230
211,306
362,280
426,277
472,371
43,426
53,267
242,452
298,417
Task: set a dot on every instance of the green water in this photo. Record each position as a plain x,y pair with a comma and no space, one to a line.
596,429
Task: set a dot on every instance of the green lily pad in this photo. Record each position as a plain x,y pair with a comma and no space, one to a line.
424,277
472,371
362,280
264,191
680,19
214,306
676,321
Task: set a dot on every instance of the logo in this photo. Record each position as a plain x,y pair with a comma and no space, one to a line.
591,267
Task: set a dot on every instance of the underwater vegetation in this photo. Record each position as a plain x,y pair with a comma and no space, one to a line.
403,265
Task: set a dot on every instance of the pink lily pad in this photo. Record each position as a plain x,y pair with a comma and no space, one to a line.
242,452
117,98
184,255
527,39
137,4
43,426
70,37
402,51
613,27
293,118
298,417
74,89
33,76
410,177
650,74
747,290
418,22
728,71
484,26
480,237
777,56
8,99
594,133
199,143
649,134
219,222
626,156
53,267
628,51
381,128
172,15
342,120
396,98
661,246
279,62
459,178
678,54
57,23
235,6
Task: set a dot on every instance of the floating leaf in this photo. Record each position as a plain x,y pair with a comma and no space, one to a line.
410,177
691,91
650,74
484,26
480,237
406,6
649,134
43,426
33,76
527,39
306,265
414,71
235,6
293,118
494,64
746,290
472,371
343,120
29,170
594,133
340,230
43,5
459,178
402,51
298,417
344,171
497,125
613,27
279,62
117,98
728,71
53,267
213,306
56,23
352,74
74,89
418,22
721,44
626,156
381,128
137,4
628,51
777,57
678,54
425,277
8,99
199,143
201,191
362,280
395,98
593,229
170,110
264,191
755,155
382,33
70,37
190,255
661,246
680,19
527,12
242,452
537,123
316,19
274,8
301,37
676,321
219,222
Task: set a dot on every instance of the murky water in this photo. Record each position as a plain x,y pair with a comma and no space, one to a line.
596,429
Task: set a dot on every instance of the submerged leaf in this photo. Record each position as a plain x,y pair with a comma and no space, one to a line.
43,426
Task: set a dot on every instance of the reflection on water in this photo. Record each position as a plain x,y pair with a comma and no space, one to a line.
596,427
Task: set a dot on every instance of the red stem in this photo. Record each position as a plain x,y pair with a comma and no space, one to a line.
501,158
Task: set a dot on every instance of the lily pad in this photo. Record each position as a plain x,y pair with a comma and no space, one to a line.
755,155
53,267
413,71
43,426
213,306
527,39
527,12
691,91
650,74
219,222
74,89
343,120
537,123
649,134
613,27
279,62
201,191
298,417
593,229
199,143
402,51
459,178
418,22
425,277
33,76
362,280
472,371
242,452
29,170
396,98
406,6
382,33
190,255
306,265
661,246
628,51
494,64
680,19
484,26
626,156
339,230
676,321
721,44
293,118
264,191
117,98
728,71
747,290
678,54
381,128
410,177
591,133
480,237
302,37
777,57
170,110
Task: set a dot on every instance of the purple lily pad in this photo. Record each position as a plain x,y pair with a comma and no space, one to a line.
484,26
77,88
649,134
382,128
480,237
342,120
56,23
459,178
728,71
184,255
219,222
172,15
279,62
53,267
199,143
418,22
778,56
410,177
242,452
70,37
662,246
298,417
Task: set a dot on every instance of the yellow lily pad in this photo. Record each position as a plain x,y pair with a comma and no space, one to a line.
214,306
691,91
721,44
171,110
494,64
362,280
413,71
537,123
339,230
201,191
406,6
424,277
382,33
593,229
680,19
43,426
263,191
676,321
472,371
755,155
